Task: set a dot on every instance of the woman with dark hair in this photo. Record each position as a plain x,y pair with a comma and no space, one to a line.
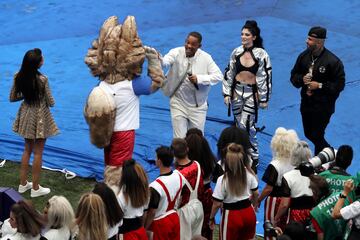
247,82
26,220
235,191
33,121
133,198
200,151
112,209
229,135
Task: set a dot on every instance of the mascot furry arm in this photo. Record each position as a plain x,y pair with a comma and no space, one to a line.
117,55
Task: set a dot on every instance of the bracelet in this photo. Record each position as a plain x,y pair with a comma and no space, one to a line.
342,195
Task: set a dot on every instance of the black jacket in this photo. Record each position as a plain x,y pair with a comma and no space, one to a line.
328,70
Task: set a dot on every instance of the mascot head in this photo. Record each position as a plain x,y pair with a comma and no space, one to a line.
118,53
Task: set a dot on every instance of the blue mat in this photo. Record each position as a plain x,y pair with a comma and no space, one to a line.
64,30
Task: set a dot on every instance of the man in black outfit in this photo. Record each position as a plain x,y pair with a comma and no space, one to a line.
321,76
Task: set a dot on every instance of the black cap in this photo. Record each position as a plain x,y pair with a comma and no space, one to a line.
317,32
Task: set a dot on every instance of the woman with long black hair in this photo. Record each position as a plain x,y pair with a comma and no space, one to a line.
133,199
247,82
200,151
113,211
34,121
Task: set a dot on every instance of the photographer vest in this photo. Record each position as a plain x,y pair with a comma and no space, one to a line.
336,179
331,228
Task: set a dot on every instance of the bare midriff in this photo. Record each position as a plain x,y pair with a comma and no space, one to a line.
246,77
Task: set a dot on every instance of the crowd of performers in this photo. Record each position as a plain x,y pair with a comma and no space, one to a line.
180,203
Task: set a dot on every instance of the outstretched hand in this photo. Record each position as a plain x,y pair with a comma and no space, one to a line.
151,52
155,71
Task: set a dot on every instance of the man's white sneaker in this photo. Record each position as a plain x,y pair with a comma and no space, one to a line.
40,192
24,188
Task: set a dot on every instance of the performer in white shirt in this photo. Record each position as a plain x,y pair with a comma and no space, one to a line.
161,218
26,221
282,144
133,199
233,192
60,218
191,73
296,192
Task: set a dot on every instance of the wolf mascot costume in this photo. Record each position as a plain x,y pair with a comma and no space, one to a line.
112,108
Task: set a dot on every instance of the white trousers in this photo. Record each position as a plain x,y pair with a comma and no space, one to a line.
191,217
184,117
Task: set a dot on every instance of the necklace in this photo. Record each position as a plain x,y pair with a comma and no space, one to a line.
313,60
311,67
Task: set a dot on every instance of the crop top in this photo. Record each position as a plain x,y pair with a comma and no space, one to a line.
240,68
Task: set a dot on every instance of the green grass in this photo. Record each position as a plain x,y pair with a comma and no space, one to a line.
72,189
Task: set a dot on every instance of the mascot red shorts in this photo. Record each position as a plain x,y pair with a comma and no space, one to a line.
120,149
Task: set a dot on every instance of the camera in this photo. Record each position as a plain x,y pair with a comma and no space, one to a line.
269,229
327,155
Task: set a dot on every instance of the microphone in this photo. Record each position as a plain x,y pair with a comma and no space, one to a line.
189,73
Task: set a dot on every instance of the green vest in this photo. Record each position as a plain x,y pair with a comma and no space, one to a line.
336,181
332,228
